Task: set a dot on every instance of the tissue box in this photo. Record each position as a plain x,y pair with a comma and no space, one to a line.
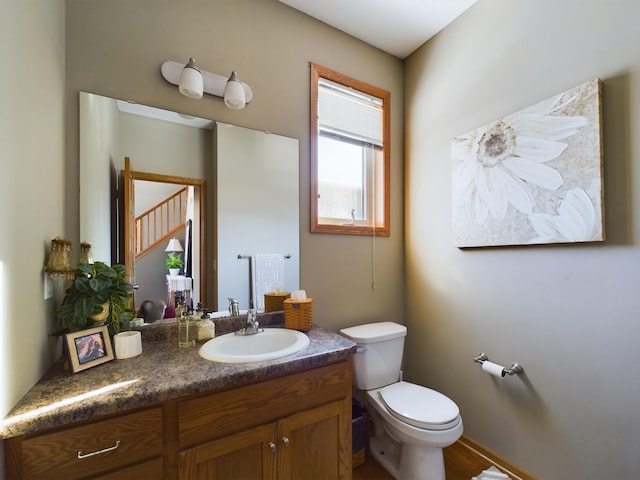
298,314
273,301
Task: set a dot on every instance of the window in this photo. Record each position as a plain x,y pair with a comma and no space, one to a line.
349,155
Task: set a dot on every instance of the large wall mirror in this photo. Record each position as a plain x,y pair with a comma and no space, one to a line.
229,195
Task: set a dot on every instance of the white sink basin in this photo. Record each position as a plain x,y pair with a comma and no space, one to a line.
269,344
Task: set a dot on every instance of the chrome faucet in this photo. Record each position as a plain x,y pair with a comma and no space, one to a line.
252,322
253,326
233,307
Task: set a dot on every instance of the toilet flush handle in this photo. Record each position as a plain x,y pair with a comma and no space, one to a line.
361,349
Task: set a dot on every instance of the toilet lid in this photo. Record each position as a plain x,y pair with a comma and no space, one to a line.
420,406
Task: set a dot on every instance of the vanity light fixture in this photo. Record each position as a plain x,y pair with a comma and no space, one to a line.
192,82
174,246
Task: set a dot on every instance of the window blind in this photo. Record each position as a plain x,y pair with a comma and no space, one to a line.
350,114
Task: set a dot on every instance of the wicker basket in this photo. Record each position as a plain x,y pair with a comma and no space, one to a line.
298,314
273,301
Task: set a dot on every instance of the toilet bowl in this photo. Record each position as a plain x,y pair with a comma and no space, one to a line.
417,431
412,423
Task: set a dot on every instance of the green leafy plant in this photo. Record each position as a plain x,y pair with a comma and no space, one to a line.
174,261
97,286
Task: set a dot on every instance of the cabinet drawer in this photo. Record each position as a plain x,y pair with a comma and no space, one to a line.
220,414
95,448
149,470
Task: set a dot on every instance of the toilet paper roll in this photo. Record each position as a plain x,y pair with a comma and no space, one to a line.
493,369
128,344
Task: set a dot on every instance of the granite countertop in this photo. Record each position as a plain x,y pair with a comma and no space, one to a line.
162,372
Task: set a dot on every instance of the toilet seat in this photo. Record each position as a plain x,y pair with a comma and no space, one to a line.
419,406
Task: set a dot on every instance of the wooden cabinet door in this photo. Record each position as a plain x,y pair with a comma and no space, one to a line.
316,444
249,455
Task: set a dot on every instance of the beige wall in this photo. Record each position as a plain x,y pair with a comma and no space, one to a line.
568,313
33,180
32,192
115,48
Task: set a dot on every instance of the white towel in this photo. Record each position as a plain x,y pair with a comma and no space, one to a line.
268,275
492,473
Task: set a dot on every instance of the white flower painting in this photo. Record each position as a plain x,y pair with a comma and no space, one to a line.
534,176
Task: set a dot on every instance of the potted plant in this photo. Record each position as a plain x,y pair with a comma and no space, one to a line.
100,294
174,263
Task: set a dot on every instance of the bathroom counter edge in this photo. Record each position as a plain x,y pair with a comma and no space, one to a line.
162,372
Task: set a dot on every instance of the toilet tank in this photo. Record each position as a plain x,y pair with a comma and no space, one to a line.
379,357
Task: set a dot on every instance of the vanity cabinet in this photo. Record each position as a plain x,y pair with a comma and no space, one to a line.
289,427
298,426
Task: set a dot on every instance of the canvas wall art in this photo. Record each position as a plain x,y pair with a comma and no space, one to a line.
532,177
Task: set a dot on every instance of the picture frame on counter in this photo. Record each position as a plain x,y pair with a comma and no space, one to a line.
89,348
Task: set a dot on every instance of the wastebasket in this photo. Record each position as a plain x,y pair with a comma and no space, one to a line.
359,434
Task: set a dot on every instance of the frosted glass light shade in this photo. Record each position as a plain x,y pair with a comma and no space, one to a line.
234,95
191,84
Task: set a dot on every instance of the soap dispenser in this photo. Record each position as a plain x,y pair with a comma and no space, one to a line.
206,328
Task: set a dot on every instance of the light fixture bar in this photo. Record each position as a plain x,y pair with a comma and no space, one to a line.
213,83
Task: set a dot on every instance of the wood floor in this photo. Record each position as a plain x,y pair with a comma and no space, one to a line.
458,464
370,470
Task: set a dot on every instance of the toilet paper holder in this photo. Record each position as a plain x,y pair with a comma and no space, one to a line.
515,368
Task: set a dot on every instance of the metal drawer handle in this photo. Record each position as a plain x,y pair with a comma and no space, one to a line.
104,450
285,441
272,446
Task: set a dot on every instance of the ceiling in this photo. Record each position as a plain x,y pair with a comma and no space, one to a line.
397,27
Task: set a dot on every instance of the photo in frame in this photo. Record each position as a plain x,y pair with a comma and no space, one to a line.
534,176
89,348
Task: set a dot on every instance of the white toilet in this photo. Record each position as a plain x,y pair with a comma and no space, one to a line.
412,423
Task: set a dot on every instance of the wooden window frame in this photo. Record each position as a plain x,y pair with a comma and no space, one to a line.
383,229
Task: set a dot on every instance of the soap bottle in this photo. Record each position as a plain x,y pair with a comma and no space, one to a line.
199,312
187,326
206,328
